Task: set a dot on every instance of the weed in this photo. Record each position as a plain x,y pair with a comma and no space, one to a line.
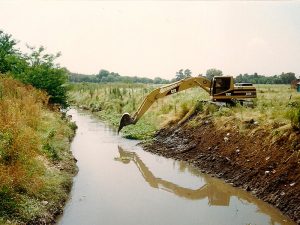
8,203
116,99
294,115
50,150
31,139
275,103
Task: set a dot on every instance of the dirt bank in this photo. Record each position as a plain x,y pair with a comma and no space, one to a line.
260,162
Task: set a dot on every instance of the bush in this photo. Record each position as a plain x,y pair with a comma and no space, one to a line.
7,203
33,142
294,116
37,68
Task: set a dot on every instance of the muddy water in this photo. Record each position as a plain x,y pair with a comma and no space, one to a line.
119,183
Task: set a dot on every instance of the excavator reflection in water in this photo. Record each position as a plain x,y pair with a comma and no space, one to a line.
217,193
208,190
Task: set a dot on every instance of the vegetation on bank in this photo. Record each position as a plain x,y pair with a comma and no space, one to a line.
36,165
37,68
277,107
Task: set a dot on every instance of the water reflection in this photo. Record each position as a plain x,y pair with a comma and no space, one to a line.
216,191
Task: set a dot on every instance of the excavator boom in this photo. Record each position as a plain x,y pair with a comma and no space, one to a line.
221,89
162,92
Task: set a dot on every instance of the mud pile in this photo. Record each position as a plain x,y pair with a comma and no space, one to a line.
251,159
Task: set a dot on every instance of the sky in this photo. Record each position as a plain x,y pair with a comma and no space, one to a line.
158,38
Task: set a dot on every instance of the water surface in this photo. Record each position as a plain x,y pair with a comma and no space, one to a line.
119,183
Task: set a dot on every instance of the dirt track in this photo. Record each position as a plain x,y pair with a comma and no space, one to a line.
252,160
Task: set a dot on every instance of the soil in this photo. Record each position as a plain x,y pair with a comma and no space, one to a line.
265,164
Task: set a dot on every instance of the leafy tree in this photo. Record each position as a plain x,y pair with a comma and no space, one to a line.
211,73
106,76
102,75
179,75
284,78
182,74
36,68
187,73
44,74
10,57
287,78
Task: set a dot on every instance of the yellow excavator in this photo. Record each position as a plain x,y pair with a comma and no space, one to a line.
221,89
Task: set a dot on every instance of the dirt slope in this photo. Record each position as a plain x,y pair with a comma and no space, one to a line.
252,159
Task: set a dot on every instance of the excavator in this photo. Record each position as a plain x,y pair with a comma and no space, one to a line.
221,89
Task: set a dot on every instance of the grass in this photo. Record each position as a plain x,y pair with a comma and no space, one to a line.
110,101
277,107
35,162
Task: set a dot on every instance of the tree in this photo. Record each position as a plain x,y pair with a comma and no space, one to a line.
211,73
284,78
187,73
10,57
44,74
36,68
102,75
287,78
183,74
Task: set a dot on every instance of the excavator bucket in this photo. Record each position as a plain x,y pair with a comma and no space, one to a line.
125,120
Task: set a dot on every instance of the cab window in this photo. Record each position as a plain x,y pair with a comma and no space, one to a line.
221,84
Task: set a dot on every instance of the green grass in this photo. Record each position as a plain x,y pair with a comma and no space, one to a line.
110,101
277,106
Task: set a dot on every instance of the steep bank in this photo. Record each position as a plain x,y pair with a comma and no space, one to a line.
36,165
249,157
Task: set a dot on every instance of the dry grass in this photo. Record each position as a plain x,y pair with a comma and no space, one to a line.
275,110
20,114
26,127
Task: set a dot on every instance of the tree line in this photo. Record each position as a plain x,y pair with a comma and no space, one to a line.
105,76
283,78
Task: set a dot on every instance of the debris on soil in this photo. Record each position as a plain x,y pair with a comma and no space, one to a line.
250,160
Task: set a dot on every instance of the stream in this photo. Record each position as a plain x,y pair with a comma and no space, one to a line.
120,184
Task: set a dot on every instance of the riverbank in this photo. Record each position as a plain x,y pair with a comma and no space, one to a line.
250,158
36,164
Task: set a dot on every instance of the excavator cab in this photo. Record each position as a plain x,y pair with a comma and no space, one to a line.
221,85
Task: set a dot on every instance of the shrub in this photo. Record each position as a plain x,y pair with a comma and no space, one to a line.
37,68
294,115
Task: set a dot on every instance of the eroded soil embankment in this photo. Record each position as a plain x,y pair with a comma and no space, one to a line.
253,159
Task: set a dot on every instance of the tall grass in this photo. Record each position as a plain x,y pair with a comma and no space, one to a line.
110,101
26,127
276,106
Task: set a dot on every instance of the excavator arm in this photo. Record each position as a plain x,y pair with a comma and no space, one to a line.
162,92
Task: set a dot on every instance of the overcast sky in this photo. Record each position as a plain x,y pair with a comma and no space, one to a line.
157,38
